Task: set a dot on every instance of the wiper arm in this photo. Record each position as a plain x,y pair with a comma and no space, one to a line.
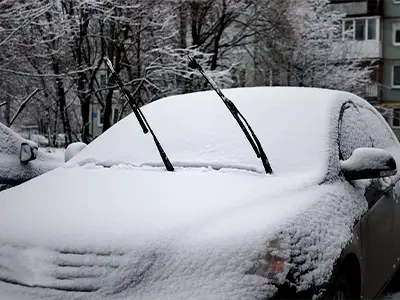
140,117
248,131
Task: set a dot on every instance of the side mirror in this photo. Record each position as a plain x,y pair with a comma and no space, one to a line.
368,163
28,152
73,149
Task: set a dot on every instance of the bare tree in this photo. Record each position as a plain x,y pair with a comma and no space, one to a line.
316,56
59,46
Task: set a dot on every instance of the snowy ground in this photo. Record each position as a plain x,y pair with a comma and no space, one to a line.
57,153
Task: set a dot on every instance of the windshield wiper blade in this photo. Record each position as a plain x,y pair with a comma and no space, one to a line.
248,131
139,116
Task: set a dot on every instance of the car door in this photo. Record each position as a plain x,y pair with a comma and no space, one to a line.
377,225
384,138
377,239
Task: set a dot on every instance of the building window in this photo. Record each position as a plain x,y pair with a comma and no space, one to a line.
103,80
116,114
371,29
349,29
360,29
396,117
396,34
396,76
100,117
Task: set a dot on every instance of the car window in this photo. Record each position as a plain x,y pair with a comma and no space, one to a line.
354,132
381,134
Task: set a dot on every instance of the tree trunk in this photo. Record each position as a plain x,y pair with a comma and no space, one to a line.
108,109
62,103
182,25
138,60
223,19
55,127
184,83
82,82
85,112
118,50
111,49
7,113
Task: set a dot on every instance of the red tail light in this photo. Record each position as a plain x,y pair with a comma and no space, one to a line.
277,264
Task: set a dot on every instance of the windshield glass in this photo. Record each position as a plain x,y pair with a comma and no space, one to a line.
196,130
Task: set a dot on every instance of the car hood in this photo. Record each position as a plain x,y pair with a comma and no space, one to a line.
147,233
95,205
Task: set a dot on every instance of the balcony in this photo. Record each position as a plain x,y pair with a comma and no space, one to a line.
360,39
350,8
357,7
370,49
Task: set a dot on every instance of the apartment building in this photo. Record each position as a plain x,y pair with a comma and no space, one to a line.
375,28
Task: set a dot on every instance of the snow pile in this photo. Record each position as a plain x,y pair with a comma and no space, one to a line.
366,158
73,149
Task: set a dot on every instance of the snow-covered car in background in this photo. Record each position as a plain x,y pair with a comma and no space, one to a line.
41,140
20,159
115,224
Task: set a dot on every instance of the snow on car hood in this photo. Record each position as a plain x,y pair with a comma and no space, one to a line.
143,233
125,205
198,230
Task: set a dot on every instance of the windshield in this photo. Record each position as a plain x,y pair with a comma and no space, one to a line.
196,130
240,119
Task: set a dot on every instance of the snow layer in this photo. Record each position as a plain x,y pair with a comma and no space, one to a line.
197,243
147,203
73,149
366,158
200,131
198,232
10,141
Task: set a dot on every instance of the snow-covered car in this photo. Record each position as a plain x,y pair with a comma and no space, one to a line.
41,140
20,159
113,223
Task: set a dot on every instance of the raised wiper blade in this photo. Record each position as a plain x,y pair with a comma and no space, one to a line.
251,136
140,117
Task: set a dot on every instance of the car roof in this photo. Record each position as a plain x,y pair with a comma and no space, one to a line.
197,130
